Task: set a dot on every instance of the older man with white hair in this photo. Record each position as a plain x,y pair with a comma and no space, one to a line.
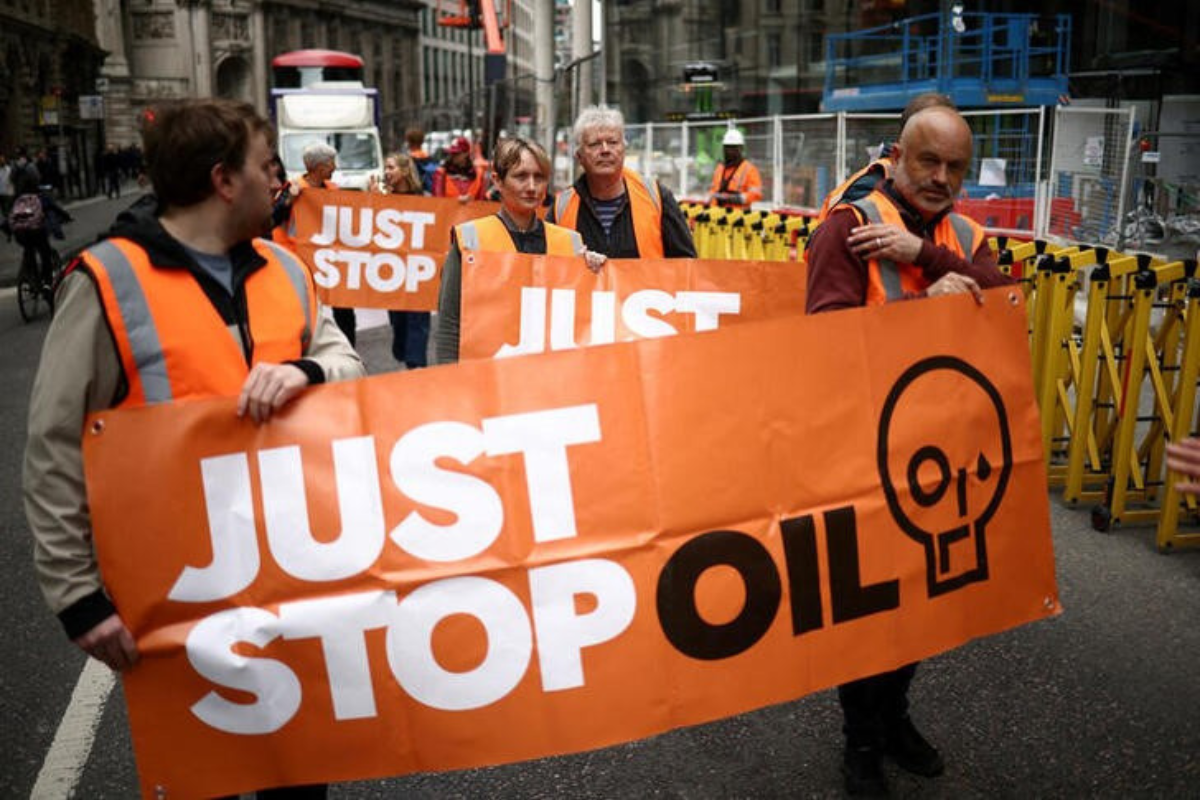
617,211
320,162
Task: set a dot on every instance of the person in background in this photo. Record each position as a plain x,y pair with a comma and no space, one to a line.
522,176
617,211
410,329
6,187
863,182
414,139
459,176
320,162
735,182
902,241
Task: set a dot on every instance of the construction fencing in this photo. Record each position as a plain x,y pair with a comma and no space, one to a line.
1069,175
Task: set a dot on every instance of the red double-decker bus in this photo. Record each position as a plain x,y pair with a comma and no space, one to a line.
301,68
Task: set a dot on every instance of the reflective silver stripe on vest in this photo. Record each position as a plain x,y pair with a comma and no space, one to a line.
652,190
297,273
561,202
889,273
139,323
468,236
577,243
965,234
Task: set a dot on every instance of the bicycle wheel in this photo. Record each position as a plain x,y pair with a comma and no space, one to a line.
29,293
56,269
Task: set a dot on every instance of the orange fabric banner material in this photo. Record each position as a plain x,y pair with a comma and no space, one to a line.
506,559
377,251
514,304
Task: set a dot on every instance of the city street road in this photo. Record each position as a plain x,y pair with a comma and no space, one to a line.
1103,701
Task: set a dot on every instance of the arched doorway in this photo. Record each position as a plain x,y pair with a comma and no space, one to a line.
233,79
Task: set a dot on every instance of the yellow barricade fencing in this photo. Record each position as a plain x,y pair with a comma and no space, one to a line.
1115,349
731,233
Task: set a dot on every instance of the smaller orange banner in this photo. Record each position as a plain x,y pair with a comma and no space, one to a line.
515,304
377,251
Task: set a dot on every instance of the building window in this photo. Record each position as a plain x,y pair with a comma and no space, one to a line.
773,6
774,50
816,46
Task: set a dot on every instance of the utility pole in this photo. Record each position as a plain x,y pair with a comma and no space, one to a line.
543,69
581,47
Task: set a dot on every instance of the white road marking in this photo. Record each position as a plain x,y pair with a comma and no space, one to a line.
72,743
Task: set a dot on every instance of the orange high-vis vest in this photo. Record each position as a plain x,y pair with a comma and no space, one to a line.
645,204
887,280
833,198
490,235
744,180
476,189
172,342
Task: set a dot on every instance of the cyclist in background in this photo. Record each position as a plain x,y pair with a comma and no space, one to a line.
34,216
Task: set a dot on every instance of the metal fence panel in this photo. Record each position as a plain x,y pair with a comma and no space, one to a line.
1164,195
802,158
1088,173
809,157
1000,191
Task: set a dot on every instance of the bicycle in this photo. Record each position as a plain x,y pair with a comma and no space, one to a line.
33,291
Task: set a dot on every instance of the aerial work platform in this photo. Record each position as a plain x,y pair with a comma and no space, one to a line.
980,60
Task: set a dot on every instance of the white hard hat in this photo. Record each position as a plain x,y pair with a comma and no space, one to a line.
733,138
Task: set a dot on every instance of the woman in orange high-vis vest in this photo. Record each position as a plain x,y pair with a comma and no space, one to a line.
521,171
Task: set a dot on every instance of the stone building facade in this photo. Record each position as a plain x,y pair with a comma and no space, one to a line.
49,59
168,49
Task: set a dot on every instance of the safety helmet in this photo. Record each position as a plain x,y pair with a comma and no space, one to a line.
734,138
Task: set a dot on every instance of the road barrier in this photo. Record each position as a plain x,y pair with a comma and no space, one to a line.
1115,387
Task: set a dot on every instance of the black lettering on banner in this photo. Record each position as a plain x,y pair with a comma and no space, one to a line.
849,598
804,573
690,633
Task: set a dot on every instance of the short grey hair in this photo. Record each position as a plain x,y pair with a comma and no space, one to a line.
594,117
319,153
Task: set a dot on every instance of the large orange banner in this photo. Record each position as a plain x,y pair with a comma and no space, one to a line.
506,559
377,251
515,304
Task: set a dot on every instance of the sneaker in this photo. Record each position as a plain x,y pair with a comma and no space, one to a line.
911,752
863,768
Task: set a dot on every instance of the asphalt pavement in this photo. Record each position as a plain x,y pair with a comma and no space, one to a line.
1102,701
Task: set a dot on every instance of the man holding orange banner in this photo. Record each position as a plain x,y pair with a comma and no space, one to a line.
901,241
182,305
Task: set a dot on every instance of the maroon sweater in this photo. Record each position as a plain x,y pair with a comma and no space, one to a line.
837,278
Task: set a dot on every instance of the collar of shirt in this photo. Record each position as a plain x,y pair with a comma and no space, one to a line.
909,213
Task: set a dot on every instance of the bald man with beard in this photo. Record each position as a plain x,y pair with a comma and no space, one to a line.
901,242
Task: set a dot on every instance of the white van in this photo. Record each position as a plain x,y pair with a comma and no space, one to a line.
344,115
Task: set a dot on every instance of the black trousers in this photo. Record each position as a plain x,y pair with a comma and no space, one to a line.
871,705
344,317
